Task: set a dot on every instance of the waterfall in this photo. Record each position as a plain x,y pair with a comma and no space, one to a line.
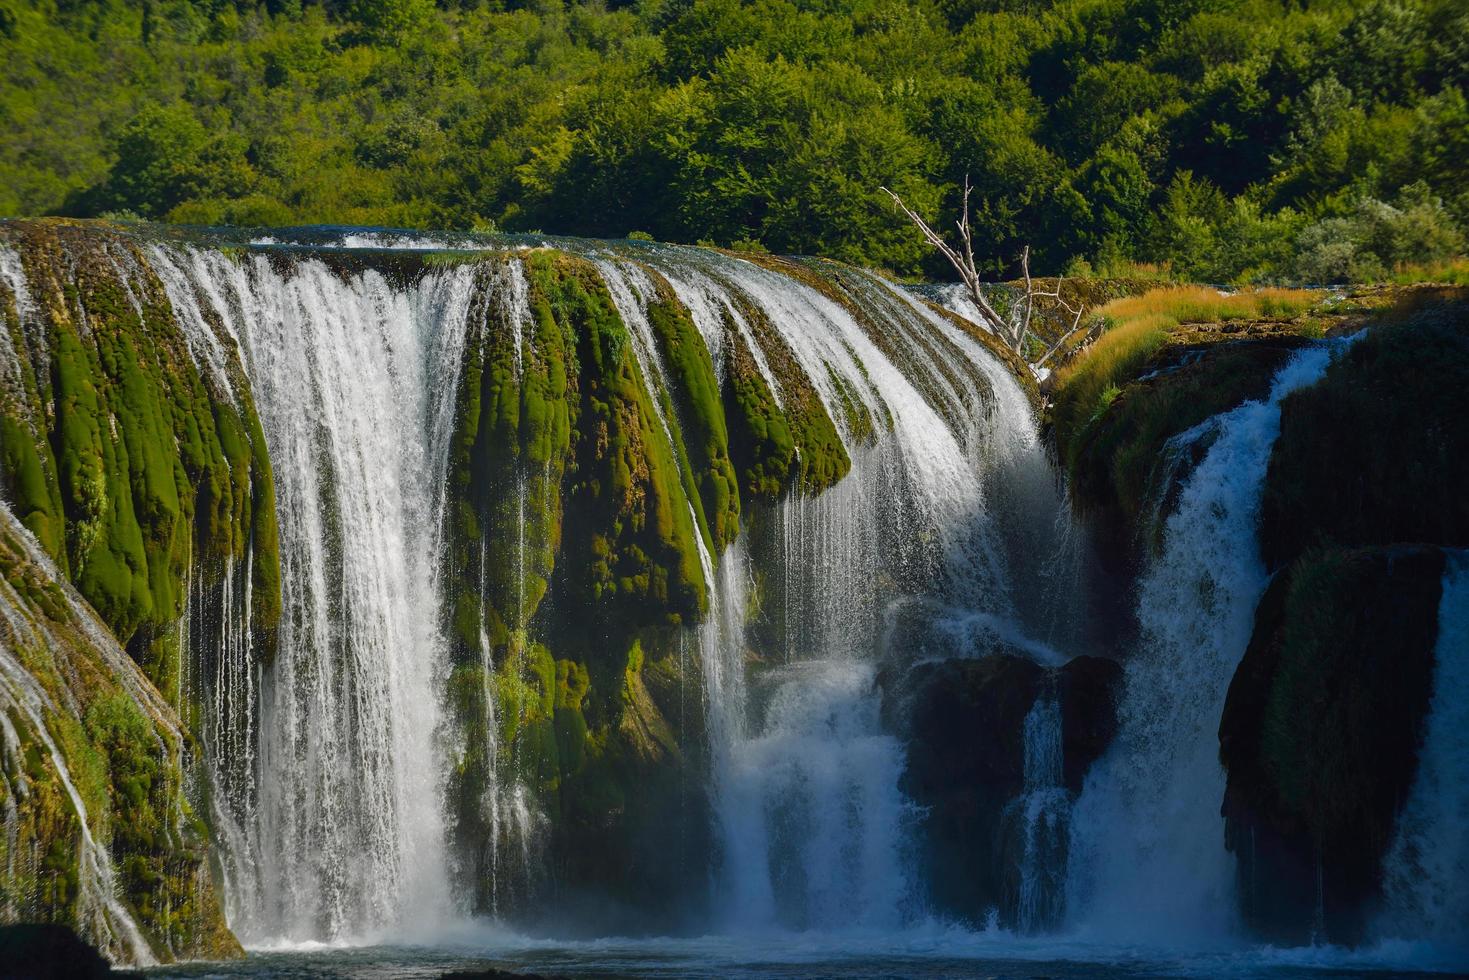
813,825
1045,810
1147,851
329,761
354,380
1426,872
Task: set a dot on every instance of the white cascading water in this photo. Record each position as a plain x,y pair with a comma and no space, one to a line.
510,812
335,822
1045,810
812,822
329,763
1147,855
1426,873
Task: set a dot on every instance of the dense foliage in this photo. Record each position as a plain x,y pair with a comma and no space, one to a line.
1316,139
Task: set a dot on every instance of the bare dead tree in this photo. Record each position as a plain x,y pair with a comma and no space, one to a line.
1031,294
1014,332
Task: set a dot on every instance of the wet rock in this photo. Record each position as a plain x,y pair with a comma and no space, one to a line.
43,951
963,723
1320,735
1378,451
1089,689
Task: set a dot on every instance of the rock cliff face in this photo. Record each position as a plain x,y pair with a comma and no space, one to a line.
1326,717
1321,732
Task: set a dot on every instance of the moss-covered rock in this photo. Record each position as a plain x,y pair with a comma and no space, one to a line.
1125,472
781,441
632,556
86,714
1378,451
699,409
574,556
134,469
1321,731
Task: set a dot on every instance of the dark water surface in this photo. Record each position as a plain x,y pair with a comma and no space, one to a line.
937,955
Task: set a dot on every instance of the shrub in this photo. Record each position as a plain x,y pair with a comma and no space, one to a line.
1377,237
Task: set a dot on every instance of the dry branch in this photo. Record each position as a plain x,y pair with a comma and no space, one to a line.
1014,335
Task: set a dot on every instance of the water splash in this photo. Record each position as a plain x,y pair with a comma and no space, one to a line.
1046,810
1426,872
1147,850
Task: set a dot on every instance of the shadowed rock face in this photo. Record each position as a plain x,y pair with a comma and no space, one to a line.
1376,453
1322,727
1321,732
33,951
963,721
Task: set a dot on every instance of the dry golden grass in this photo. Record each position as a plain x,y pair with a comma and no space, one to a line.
1136,326
1203,304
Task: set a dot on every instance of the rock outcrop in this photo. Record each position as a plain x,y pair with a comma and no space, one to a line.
963,726
1321,731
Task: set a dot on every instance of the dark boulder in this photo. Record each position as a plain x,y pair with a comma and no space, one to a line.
1088,690
1321,731
45,951
1378,451
963,724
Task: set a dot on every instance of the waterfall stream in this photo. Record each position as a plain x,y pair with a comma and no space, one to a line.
1045,810
329,764
329,767
355,382
1427,868
1147,853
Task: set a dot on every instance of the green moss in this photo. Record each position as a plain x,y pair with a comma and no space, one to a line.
762,448
144,479
700,412
777,445
1321,730
1378,451
632,554
30,485
125,765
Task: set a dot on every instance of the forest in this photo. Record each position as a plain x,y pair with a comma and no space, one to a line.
1210,140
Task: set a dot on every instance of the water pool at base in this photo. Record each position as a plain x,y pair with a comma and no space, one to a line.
920,954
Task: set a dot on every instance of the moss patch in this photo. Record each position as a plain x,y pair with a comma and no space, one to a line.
1321,729
127,760
1378,451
